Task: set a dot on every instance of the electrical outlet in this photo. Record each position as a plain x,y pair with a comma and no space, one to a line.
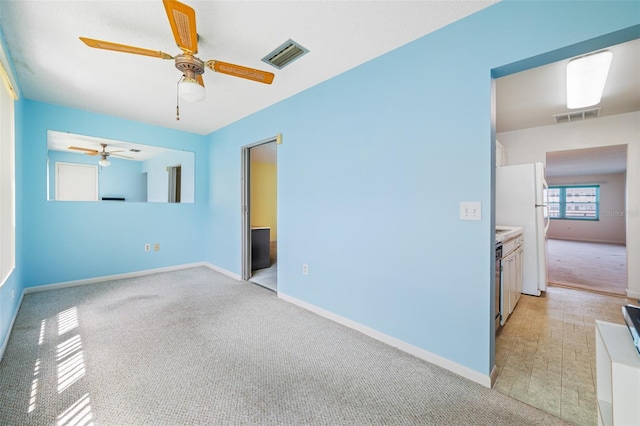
305,269
147,247
470,210
156,247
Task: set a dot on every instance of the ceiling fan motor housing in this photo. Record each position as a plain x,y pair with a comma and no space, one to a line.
189,65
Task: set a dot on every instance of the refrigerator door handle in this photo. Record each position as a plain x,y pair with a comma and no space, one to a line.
546,224
545,206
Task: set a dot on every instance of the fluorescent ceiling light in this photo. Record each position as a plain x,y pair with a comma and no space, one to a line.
586,77
191,91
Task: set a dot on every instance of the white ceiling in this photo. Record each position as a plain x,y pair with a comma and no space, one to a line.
54,66
600,160
61,141
531,98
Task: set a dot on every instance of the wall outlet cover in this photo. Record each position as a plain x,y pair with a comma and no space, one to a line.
470,210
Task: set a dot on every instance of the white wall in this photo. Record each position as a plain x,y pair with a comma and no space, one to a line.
532,145
610,228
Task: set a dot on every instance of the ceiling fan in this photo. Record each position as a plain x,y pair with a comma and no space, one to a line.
103,154
182,19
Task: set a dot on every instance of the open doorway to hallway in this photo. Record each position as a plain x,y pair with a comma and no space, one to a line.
260,225
587,205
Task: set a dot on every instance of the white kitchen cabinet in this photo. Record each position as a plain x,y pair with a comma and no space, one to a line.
512,270
617,375
511,275
519,277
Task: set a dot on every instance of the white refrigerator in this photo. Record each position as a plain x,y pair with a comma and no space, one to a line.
521,193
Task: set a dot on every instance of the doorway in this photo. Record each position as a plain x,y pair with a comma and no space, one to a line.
175,183
260,213
587,233
529,137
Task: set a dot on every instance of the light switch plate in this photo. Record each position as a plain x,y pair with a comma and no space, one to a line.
470,210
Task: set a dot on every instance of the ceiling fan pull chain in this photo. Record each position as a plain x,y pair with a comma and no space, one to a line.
178,100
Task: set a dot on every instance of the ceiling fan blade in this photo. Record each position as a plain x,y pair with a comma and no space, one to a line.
200,80
86,150
242,72
182,19
100,44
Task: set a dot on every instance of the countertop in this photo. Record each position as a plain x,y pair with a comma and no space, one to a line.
505,233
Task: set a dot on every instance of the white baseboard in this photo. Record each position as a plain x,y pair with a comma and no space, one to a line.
445,363
223,271
494,375
75,283
13,320
633,294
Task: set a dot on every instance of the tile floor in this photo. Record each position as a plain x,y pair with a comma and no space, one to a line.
545,353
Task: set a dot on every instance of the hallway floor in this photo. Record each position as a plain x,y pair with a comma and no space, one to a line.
545,353
268,277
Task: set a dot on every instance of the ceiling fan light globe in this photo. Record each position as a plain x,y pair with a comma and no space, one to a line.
104,162
190,91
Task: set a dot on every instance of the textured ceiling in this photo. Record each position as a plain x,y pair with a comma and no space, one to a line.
531,98
54,66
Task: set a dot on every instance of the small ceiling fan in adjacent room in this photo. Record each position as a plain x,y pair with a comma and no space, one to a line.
182,19
104,162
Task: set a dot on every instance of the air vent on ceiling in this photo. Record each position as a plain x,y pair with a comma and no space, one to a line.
577,115
134,150
284,54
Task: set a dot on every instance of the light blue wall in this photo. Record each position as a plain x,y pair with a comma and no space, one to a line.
123,178
375,162
158,178
68,241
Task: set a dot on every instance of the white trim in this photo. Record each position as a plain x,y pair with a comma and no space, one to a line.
10,329
222,271
633,294
494,375
445,363
46,287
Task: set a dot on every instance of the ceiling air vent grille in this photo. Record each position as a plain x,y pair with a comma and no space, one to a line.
284,54
577,115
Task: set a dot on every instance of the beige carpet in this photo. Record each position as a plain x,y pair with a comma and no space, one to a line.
596,267
194,347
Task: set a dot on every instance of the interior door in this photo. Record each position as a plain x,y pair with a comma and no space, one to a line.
76,182
246,208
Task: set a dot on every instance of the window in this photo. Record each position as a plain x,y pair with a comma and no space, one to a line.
7,178
574,202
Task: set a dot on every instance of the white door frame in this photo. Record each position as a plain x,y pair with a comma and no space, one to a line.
245,208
